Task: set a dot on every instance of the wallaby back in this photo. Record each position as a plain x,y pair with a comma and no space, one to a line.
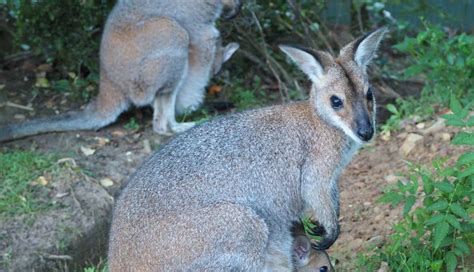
225,194
158,53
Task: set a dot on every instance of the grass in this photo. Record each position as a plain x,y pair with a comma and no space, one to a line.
17,172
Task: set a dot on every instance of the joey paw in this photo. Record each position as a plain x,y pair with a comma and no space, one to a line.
327,237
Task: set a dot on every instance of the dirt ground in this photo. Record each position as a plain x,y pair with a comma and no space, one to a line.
107,157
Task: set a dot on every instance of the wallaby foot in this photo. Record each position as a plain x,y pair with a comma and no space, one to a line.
181,127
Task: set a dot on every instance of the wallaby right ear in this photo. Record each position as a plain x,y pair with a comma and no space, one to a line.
305,60
229,50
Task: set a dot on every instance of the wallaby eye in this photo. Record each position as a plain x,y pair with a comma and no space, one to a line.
323,269
370,94
336,102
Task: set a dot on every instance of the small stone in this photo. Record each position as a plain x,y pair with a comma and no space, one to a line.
445,137
402,135
421,125
102,141
437,126
355,244
410,143
376,240
106,182
383,267
19,117
385,136
367,204
87,151
147,147
391,179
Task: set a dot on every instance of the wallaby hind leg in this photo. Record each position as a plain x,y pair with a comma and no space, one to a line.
164,115
221,237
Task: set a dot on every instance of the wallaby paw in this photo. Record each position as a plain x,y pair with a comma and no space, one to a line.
182,127
327,238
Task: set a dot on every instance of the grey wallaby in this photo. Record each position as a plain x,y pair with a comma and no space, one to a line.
158,53
305,257
224,195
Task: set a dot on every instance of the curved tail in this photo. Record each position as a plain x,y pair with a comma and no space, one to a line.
91,118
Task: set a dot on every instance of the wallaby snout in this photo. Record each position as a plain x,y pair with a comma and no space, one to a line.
231,8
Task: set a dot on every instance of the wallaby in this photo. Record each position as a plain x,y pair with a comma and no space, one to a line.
158,53
305,257
224,195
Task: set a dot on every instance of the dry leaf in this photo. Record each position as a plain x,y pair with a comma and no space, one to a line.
87,151
106,182
215,89
118,133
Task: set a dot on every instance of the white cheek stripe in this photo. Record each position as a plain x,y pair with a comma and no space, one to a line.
337,122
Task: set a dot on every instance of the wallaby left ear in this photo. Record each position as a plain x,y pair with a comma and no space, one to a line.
229,50
365,47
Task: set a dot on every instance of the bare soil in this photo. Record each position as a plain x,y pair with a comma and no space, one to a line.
65,237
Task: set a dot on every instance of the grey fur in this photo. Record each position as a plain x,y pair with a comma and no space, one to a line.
223,196
158,53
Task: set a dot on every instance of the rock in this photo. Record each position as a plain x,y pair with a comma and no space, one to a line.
420,125
385,136
383,267
106,182
377,240
410,143
437,126
19,117
402,135
146,147
355,244
87,151
391,179
442,136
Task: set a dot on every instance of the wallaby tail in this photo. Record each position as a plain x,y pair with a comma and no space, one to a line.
91,118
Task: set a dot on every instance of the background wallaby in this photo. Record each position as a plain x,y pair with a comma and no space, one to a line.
225,194
305,257
158,53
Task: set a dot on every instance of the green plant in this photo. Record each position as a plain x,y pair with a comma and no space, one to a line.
17,172
438,233
132,124
446,61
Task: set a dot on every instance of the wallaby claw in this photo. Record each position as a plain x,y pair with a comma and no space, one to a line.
327,239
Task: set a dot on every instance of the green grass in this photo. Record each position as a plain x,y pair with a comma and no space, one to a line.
17,171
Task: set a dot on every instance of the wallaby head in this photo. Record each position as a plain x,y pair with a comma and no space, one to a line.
341,93
305,258
231,8
223,54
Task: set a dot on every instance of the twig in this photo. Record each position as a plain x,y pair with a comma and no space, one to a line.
58,257
18,106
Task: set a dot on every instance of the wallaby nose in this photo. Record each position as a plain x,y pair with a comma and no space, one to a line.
366,132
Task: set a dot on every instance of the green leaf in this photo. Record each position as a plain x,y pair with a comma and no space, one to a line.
451,261
438,206
453,221
391,108
440,232
463,138
444,186
458,210
409,204
466,173
462,246
435,219
456,106
466,158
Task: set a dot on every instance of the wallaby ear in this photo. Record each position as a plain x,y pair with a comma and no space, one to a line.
305,60
301,250
229,50
365,47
